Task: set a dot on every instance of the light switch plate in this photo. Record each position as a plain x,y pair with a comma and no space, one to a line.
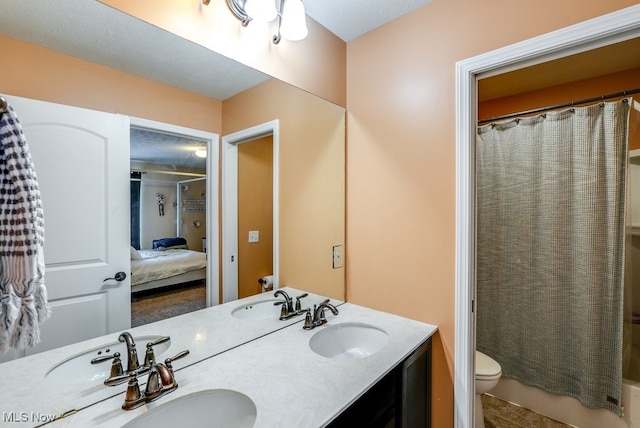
254,236
338,260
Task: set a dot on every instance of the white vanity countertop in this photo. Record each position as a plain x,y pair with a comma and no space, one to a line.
289,383
25,394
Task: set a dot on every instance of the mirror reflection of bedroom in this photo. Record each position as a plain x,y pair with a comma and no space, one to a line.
168,224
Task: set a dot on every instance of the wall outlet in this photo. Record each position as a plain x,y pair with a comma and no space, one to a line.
254,236
338,260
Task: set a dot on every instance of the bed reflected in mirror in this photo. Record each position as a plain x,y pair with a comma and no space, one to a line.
168,225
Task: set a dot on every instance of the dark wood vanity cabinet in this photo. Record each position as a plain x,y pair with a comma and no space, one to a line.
401,399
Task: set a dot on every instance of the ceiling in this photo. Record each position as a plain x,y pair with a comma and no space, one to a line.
95,32
98,33
353,18
173,152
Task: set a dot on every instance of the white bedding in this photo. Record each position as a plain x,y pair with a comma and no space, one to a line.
164,264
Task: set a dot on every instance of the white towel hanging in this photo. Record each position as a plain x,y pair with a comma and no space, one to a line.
23,296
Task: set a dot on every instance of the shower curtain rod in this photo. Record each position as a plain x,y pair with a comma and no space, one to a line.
553,107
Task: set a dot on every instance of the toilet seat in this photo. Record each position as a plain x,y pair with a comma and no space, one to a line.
486,367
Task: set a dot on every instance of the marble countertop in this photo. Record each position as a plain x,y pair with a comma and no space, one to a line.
289,384
27,397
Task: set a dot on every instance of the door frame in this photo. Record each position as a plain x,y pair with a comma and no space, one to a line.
230,203
211,229
588,35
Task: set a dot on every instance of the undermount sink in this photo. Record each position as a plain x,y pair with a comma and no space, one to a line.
79,370
348,340
261,310
209,408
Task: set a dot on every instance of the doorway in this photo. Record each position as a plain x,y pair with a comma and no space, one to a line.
170,162
231,217
612,28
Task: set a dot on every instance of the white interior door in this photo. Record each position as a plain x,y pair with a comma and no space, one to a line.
81,159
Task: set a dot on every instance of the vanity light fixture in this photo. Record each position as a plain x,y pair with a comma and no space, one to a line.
292,21
261,10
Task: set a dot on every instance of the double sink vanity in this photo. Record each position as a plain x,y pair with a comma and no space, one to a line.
250,363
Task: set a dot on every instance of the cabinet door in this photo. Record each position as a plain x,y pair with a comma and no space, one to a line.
401,399
416,388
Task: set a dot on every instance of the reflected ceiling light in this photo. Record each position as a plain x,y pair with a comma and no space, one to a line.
201,153
292,21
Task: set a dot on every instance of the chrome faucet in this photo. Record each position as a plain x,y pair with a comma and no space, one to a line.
287,305
161,381
288,311
132,353
318,317
132,358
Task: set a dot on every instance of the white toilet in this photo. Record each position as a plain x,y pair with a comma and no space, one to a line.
488,373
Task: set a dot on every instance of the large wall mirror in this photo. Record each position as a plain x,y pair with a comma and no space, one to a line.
310,165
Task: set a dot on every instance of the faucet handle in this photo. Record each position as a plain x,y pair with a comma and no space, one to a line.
116,365
179,355
308,320
133,398
284,311
298,304
150,358
117,380
159,340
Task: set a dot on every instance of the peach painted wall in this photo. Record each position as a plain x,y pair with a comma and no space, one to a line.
603,85
316,64
311,175
255,212
33,72
401,155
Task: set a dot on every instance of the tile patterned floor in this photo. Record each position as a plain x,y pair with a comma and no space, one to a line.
501,414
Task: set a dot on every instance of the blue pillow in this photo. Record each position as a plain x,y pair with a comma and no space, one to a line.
168,242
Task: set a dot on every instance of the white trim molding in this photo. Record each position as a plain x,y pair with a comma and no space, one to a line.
601,31
230,203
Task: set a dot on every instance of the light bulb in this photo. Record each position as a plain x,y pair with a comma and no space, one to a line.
261,10
201,153
294,21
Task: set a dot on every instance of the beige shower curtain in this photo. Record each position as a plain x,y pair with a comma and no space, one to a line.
551,211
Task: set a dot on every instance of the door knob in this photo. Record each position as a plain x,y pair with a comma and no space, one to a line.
120,276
